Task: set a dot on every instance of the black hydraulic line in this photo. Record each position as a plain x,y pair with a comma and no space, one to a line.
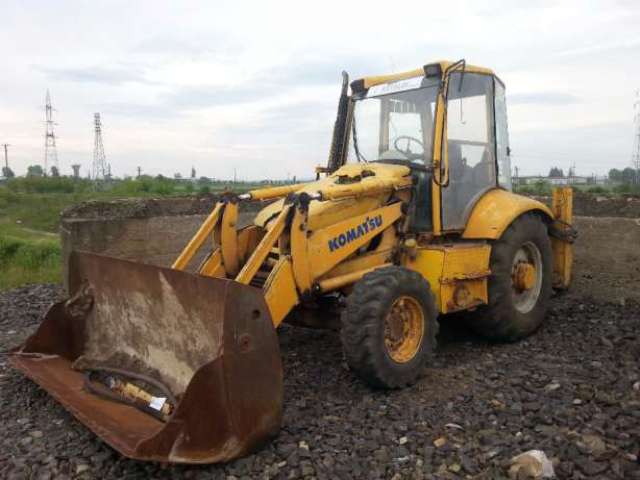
356,148
104,392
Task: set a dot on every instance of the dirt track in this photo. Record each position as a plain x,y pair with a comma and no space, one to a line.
572,390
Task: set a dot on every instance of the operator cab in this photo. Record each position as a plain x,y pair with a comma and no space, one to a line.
396,119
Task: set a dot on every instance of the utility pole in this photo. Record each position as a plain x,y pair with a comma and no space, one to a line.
139,172
50,151
635,155
99,159
6,155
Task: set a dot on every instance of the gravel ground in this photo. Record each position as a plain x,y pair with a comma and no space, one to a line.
571,390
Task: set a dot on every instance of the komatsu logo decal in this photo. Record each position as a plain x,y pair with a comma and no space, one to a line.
369,225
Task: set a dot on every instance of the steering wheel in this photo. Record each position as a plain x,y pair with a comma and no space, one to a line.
409,139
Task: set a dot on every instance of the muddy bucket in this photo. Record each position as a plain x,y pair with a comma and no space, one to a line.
161,364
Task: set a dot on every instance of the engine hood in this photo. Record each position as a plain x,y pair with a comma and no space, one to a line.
324,213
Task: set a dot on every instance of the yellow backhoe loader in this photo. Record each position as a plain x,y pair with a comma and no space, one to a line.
412,217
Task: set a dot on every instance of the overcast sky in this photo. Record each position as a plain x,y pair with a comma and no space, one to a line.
254,85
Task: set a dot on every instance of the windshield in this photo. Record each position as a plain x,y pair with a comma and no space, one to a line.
396,125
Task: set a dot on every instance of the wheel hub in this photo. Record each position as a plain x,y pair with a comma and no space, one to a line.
524,276
404,329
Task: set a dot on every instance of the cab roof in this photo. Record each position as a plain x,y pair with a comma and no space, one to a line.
368,82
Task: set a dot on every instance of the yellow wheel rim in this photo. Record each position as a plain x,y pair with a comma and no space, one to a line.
403,329
526,277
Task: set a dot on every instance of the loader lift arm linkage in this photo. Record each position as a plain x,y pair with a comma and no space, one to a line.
291,275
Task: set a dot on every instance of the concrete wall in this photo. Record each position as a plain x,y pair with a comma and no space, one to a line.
607,252
155,240
149,231
589,205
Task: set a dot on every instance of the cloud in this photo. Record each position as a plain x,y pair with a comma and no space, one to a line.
542,98
275,81
209,44
140,110
96,74
310,121
190,97
593,149
601,47
323,71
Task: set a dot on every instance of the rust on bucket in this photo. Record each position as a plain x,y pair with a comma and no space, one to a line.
210,342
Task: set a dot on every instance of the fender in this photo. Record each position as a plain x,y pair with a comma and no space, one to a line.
496,210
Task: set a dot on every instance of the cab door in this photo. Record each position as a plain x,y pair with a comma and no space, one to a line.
471,146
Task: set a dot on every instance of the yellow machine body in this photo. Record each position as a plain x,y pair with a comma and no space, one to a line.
322,249
495,211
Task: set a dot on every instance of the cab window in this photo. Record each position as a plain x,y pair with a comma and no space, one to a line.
394,123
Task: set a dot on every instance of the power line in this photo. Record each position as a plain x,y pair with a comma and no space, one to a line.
6,155
50,150
635,153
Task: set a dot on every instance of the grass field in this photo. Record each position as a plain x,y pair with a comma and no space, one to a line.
29,247
28,257
30,208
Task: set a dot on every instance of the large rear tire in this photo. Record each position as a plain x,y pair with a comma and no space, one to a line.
389,327
520,283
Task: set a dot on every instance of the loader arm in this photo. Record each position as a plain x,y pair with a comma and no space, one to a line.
291,261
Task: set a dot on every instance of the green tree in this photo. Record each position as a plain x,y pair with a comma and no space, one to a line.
615,175
556,172
542,188
628,176
34,171
54,171
7,172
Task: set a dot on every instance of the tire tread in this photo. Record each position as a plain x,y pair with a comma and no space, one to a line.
362,320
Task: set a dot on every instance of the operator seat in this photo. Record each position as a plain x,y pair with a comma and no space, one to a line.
459,171
484,172
460,188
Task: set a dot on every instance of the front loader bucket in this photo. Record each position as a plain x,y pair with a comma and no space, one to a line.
210,342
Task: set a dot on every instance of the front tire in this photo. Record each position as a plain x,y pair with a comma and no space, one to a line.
520,283
389,327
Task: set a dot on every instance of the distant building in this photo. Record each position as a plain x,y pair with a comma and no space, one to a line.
573,180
